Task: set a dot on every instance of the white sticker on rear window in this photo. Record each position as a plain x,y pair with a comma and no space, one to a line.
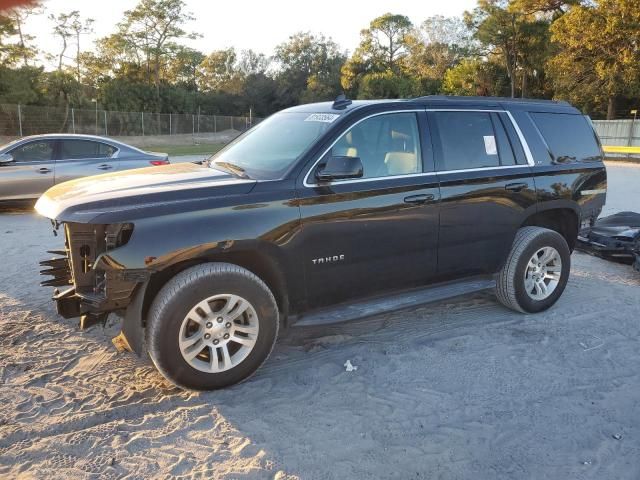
490,145
322,117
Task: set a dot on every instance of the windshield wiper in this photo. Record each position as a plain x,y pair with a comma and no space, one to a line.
233,169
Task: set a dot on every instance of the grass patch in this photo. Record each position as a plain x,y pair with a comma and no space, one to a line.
176,150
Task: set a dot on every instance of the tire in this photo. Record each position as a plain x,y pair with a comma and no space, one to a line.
176,318
515,280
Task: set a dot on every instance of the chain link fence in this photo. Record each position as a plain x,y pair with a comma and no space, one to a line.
22,120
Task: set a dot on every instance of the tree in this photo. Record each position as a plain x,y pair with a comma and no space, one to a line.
598,53
387,85
554,7
80,27
251,63
473,76
450,31
438,45
516,37
308,68
19,16
386,40
183,66
21,85
218,72
62,28
383,48
15,45
71,26
148,34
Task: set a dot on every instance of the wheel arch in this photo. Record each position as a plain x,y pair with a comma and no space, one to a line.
260,264
563,220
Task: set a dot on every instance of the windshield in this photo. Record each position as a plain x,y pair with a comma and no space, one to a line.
268,150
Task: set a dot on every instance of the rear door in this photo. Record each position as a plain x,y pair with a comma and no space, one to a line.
377,233
32,171
82,158
486,188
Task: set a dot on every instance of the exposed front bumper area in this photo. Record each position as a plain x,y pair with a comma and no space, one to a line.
85,285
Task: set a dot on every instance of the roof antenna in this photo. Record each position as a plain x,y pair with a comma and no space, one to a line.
341,102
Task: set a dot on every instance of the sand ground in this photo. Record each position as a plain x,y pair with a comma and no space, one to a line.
461,389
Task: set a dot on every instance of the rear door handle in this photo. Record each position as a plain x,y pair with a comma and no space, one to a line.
105,166
422,198
44,170
516,187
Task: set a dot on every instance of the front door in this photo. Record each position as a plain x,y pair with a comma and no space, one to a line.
30,173
486,186
379,232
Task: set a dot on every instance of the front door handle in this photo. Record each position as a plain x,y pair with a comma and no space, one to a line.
44,170
422,198
516,187
105,166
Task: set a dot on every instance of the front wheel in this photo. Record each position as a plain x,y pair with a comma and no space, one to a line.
536,271
211,326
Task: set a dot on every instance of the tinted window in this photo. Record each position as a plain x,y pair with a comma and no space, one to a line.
569,137
33,151
514,140
387,145
467,140
505,150
77,149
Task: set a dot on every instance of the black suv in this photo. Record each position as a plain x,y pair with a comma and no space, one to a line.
325,212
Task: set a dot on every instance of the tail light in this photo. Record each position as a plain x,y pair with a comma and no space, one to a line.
159,162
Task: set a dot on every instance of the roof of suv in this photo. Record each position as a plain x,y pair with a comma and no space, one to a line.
444,101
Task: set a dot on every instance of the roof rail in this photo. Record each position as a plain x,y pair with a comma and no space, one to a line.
451,98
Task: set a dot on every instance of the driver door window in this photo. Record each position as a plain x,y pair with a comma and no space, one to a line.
33,151
387,145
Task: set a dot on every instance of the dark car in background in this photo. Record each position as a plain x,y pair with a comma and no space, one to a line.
326,212
31,165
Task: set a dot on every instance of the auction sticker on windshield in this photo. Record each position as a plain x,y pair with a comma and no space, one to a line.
322,117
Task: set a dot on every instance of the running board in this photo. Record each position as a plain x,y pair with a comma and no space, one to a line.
397,301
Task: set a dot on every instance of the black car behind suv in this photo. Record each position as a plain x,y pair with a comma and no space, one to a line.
319,210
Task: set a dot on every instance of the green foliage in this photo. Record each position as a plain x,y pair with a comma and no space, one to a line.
15,45
308,68
598,56
585,51
21,85
387,85
475,77
378,64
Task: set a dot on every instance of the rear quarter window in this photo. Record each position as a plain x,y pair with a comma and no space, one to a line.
569,137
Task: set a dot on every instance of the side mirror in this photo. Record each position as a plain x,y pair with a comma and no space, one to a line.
5,158
340,168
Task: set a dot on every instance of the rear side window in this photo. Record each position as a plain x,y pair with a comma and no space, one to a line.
569,137
77,149
472,140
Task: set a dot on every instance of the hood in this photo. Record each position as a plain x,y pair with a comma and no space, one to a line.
126,194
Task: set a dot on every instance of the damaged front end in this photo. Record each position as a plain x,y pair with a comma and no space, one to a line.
616,237
88,284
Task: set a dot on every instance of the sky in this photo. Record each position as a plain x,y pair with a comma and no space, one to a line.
255,24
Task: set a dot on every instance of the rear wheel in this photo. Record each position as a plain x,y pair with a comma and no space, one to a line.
536,271
211,326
